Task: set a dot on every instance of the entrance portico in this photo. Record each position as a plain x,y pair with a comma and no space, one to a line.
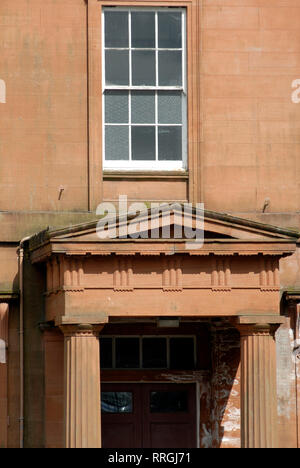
234,276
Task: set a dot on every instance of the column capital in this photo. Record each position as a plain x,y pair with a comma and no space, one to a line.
81,329
257,329
263,325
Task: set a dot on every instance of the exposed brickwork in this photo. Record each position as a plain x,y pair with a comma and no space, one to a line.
225,411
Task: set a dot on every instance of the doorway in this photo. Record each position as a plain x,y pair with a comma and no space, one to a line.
148,415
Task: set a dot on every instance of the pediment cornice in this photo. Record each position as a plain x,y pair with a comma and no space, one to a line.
223,235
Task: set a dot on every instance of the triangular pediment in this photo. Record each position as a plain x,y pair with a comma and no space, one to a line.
169,224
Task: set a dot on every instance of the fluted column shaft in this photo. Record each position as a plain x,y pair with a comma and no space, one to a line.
82,386
258,386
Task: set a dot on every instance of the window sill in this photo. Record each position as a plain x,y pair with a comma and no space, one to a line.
145,175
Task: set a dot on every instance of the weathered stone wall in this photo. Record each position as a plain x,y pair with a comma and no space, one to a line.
250,139
43,131
249,150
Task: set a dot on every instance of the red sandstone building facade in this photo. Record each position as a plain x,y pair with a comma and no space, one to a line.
141,341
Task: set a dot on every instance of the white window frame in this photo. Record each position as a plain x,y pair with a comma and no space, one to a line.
154,165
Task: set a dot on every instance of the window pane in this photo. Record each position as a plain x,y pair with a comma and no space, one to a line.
143,68
169,68
116,29
154,353
169,30
116,143
142,107
169,107
127,353
143,29
116,402
106,353
182,353
168,402
117,67
169,143
116,107
143,143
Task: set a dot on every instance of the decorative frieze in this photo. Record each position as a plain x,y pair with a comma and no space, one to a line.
269,273
221,274
172,274
64,274
123,273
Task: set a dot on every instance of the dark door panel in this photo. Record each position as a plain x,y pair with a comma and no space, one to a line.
172,435
148,416
121,416
169,416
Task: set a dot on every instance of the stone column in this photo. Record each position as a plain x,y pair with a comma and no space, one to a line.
82,416
258,382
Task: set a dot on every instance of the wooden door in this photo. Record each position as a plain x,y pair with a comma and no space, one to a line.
121,416
148,416
169,417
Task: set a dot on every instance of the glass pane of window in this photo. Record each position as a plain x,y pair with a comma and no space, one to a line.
169,107
143,143
169,143
143,68
117,67
169,68
127,353
154,353
116,29
142,107
106,353
168,402
182,353
143,29
116,402
169,30
116,107
116,142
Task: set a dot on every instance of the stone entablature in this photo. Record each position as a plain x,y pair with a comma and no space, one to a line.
234,272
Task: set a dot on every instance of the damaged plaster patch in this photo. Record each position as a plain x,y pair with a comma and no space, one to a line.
206,437
226,388
285,371
2,352
232,422
184,377
2,92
